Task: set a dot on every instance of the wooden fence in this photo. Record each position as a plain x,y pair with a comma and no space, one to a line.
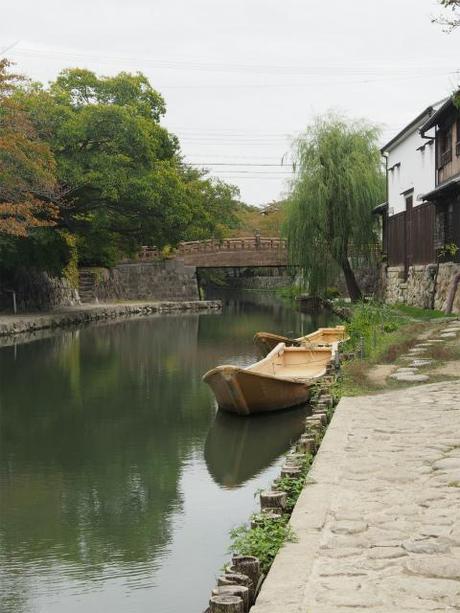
410,236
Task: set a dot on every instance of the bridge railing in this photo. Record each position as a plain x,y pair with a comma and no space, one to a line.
149,253
251,243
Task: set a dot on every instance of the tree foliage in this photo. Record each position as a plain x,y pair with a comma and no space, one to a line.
268,220
451,18
122,173
338,181
27,170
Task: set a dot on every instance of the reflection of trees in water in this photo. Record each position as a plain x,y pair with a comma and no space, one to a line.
91,449
238,448
246,313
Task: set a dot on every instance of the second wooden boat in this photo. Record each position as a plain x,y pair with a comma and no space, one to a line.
323,337
281,380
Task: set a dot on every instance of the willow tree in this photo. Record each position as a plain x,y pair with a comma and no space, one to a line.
338,180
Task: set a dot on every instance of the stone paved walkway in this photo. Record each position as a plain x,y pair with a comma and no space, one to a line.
379,527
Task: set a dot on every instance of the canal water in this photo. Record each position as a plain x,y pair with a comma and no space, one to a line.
119,482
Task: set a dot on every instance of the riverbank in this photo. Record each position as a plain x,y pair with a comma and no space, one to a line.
377,525
11,325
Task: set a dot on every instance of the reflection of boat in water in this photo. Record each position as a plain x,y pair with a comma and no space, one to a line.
281,380
238,449
323,337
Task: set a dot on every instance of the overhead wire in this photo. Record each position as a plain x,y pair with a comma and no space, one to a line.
322,71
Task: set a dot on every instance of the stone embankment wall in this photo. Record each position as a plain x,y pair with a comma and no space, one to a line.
444,280
151,281
37,291
426,286
11,325
168,280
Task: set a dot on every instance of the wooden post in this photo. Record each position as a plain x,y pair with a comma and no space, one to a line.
250,566
327,398
313,422
260,518
235,590
307,444
226,603
295,459
273,500
234,579
337,358
322,416
291,472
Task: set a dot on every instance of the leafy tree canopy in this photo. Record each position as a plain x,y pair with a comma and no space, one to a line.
122,174
267,220
27,168
339,179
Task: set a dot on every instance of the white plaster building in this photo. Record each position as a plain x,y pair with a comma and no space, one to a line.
411,164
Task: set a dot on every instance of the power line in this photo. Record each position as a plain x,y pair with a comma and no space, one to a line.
323,71
232,164
9,47
259,172
248,177
200,65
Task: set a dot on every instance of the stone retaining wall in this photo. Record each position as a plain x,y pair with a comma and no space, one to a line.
37,290
426,286
168,280
17,324
446,273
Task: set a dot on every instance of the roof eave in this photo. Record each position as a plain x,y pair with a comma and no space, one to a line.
410,127
434,119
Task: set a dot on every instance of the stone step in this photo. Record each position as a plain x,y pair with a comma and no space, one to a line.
86,285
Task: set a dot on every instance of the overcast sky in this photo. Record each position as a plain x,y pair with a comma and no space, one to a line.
242,77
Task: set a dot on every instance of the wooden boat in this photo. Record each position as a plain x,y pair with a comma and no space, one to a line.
282,379
323,337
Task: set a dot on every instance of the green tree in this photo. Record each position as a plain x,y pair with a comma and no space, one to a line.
451,18
27,169
338,180
122,172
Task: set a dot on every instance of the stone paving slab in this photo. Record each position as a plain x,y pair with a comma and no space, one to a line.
378,528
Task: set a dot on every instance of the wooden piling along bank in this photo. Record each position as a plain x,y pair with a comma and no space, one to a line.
237,588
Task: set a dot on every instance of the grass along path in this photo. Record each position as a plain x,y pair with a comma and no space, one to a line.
385,339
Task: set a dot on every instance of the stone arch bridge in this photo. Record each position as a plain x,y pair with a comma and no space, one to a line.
255,251
151,276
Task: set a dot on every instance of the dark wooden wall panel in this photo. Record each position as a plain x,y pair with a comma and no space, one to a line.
396,239
423,251
421,235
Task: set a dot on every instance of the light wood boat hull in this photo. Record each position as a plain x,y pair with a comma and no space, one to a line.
266,342
240,391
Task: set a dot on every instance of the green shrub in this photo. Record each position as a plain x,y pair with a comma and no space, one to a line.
369,322
263,541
